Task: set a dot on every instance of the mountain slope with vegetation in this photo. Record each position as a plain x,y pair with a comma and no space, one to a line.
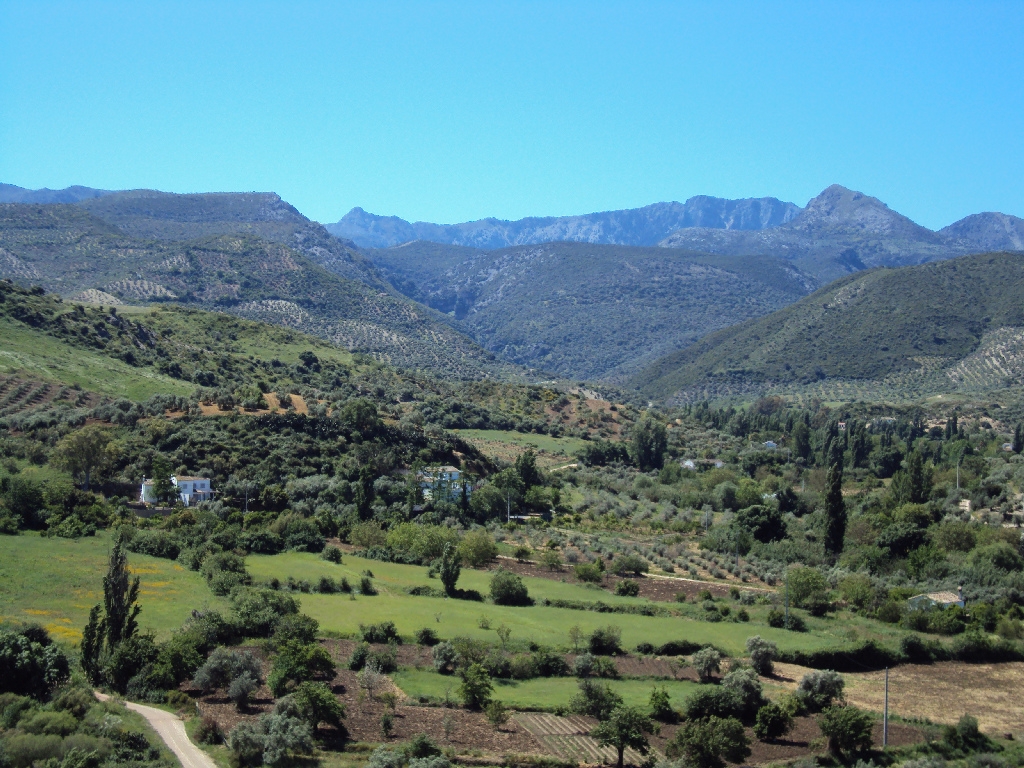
931,320
637,226
66,249
589,311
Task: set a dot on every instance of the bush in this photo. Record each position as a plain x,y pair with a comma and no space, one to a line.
49,723
359,656
595,700
32,665
76,701
777,620
260,610
627,588
270,740
772,723
704,743
476,687
24,750
477,548
208,731
605,641
707,662
508,589
713,702
427,636
445,657
385,632
588,573
315,703
748,690
820,689
366,586
331,554
762,654
224,666
241,688
629,565
497,713
661,706
296,663
848,729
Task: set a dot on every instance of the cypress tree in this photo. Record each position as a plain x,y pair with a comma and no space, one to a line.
1018,438
835,507
120,592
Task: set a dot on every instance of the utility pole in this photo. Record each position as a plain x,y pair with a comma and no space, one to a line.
787,599
885,714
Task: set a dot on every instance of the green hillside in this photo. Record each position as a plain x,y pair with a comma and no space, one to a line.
589,311
943,326
67,250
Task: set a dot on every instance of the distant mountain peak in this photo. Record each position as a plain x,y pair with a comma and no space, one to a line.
843,208
644,226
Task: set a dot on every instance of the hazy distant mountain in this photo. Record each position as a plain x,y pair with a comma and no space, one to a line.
637,226
988,231
881,334
589,311
9,193
842,231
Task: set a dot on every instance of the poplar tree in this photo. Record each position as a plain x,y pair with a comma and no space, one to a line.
835,507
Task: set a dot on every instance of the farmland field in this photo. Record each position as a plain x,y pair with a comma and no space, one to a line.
540,692
546,625
55,582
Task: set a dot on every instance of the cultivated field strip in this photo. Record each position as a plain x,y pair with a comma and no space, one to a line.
569,738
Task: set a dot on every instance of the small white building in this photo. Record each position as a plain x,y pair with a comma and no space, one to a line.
441,483
929,600
191,490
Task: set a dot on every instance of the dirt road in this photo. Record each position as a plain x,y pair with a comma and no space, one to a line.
171,729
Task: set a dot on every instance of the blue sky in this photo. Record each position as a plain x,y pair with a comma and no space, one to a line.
455,111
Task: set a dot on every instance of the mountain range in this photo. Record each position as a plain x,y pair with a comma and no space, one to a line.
954,325
248,254
637,226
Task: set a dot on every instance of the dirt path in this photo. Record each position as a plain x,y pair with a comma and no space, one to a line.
171,729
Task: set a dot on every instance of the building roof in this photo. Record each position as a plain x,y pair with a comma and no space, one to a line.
189,478
440,469
940,597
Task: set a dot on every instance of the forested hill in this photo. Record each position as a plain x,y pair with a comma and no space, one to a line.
66,249
589,311
637,226
951,325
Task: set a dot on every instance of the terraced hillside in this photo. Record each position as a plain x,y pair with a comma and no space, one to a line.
589,311
67,250
953,326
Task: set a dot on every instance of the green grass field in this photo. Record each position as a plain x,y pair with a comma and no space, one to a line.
55,582
541,692
30,353
546,625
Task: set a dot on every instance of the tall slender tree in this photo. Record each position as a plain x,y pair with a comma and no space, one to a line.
835,507
1018,438
120,593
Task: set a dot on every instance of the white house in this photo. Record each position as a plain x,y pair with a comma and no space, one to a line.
191,490
441,482
928,600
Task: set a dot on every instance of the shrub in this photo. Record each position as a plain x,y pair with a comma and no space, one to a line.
76,701
224,666
296,626
208,731
629,565
31,664
476,687
445,657
772,723
24,750
316,704
522,553
508,589
49,723
551,560
260,610
588,573
627,588
241,688
762,654
713,702
707,662
359,656
595,700
270,740
749,692
296,663
331,554
661,706
605,641
704,743
385,632
820,689
427,636
848,729
497,713
477,548
366,586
